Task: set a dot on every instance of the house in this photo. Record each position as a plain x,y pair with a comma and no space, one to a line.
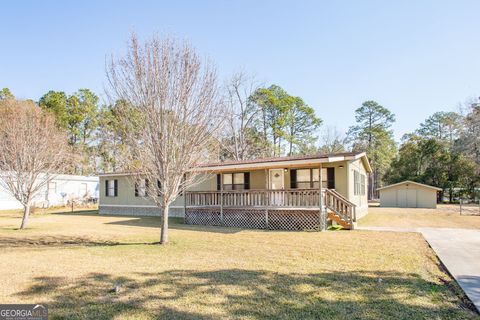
271,193
409,194
58,192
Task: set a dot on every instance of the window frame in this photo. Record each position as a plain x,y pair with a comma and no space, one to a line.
141,189
221,185
50,183
314,174
111,185
359,183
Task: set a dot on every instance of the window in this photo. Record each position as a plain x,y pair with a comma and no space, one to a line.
362,184
308,178
111,188
51,190
304,179
52,187
83,189
359,183
141,188
234,181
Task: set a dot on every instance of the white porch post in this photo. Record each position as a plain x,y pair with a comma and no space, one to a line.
267,196
221,198
322,215
185,196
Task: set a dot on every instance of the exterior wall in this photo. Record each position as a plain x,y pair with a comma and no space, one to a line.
68,187
411,196
258,179
126,203
361,201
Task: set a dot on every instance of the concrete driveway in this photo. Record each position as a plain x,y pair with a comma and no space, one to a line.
459,251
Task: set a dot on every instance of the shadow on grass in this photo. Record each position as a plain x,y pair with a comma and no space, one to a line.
174,223
237,293
62,241
78,213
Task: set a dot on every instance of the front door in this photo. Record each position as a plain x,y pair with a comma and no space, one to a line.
277,181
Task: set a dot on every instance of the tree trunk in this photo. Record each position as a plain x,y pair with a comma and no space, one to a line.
164,229
26,215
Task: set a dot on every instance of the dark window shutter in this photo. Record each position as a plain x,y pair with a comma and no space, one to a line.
159,186
311,178
331,178
106,188
115,185
136,189
219,181
246,180
146,187
293,179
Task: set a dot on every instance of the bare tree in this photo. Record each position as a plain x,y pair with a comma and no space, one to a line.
241,113
32,151
332,140
180,111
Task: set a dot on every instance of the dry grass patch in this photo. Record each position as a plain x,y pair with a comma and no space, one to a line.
445,216
210,273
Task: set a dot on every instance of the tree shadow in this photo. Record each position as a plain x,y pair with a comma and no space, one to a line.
61,241
93,212
238,293
174,223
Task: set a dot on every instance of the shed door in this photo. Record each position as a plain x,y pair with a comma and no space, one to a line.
402,198
411,198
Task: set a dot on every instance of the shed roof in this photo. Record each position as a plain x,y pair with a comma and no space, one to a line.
406,182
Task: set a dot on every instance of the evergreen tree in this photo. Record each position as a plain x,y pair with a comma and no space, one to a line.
373,135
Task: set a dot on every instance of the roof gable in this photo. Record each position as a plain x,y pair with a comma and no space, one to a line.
410,182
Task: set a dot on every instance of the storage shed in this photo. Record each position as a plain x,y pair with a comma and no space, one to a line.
409,194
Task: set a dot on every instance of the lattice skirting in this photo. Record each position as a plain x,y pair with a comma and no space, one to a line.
255,218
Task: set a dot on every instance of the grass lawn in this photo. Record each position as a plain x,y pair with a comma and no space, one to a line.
72,262
445,216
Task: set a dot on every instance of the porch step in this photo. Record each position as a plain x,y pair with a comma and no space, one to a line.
339,220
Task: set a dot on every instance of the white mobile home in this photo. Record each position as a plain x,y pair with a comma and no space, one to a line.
58,192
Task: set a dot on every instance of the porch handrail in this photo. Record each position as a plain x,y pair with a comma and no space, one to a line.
353,205
341,206
254,198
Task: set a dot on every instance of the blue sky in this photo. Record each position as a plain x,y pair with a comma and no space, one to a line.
414,57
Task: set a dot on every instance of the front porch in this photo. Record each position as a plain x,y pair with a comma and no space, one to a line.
295,209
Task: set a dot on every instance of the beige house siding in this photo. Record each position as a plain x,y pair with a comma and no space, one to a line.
360,200
408,196
126,203
126,197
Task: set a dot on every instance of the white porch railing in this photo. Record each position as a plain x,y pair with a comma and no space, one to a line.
296,198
